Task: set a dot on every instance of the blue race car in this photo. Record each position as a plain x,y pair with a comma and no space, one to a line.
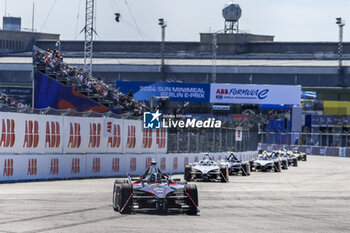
154,190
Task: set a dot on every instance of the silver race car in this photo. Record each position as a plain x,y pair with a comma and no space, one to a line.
206,170
265,163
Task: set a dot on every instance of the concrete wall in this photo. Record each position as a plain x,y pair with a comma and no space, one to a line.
21,41
230,43
122,46
298,47
30,167
226,45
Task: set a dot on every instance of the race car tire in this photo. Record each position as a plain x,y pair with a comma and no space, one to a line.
125,191
224,174
115,204
248,169
191,191
285,164
187,174
295,162
245,169
251,165
277,166
304,157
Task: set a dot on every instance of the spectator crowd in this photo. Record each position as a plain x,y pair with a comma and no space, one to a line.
51,62
11,102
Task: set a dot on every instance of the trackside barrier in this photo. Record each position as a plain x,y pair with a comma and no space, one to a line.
312,150
15,167
45,134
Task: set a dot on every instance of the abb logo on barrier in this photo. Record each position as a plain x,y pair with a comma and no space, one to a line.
96,165
115,165
133,164
185,161
148,162
163,163
32,167
31,135
219,157
147,138
222,91
75,165
8,167
95,135
114,129
74,135
161,138
7,133
53,134
196,159
131,141
54,166
175,163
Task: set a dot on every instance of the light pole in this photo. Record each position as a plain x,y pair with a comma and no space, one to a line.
214,57
341,25
163,25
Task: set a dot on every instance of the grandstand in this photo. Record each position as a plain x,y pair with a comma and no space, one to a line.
61,86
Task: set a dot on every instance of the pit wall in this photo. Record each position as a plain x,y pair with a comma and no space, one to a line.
312,150
29,167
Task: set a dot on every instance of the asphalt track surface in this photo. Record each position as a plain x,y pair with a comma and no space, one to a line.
314,197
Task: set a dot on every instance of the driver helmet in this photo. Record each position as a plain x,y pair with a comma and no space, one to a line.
155,177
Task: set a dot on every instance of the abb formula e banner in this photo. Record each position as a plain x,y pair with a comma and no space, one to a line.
44,134
255,94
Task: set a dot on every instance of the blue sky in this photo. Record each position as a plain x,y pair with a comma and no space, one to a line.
287,20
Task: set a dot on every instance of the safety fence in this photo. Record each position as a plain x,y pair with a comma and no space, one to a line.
326,139
212,140
15,167
312,150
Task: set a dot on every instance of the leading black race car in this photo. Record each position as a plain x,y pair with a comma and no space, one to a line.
154,190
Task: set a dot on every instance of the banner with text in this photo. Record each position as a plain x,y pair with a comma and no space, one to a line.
182,92
255,94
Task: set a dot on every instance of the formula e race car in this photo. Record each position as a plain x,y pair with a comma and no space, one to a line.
292,160
206,170
277,155
299,155
236,166
154,190
265,163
